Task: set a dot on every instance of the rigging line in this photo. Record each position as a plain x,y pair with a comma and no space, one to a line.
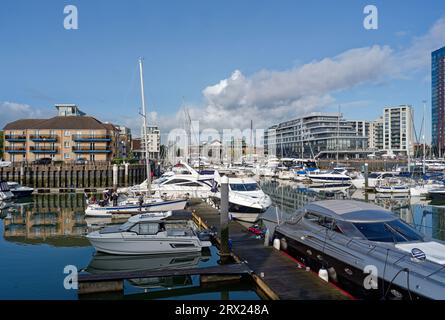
129,89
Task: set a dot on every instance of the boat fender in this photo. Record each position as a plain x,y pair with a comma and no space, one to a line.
323,274
283,244
276,243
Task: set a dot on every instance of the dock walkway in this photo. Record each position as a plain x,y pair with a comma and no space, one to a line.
276,273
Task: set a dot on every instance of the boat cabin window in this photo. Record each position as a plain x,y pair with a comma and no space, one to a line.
176,181
191,184
373,175
145,228
244,187
390,231
323,221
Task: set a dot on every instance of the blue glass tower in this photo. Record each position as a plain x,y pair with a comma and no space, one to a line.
437,101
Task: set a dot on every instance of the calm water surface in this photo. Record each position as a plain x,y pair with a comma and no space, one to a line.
41,235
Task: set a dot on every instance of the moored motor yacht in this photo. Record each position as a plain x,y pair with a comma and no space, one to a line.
334,176
374,178
246,199
181,181
421,190
5,192
367,249
20,191
150,233
437,194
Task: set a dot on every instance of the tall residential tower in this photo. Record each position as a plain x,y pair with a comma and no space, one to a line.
437,101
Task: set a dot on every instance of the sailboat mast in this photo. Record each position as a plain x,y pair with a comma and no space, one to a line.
144,129
424,129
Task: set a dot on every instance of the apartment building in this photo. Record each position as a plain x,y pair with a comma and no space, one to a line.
398,130
66,137
320,135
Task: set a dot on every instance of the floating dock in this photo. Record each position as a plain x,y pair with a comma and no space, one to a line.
276,273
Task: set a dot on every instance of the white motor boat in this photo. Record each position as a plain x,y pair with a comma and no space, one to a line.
151,233
374,179
246,199
334,176
5,192
286,175
392,185
131,205
182,181
5,164
422,190
20,191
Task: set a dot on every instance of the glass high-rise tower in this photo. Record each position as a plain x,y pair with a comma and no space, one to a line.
438,100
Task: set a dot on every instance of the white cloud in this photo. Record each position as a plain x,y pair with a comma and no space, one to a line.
11,111
269,96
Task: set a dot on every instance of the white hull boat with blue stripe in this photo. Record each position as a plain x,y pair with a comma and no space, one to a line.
150,205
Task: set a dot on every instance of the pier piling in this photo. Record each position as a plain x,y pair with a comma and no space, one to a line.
224,219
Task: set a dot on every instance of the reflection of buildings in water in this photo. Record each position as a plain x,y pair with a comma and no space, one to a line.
289,197
48,216
438,223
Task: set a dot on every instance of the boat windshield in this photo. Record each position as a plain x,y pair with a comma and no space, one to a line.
244,187
389,231
374,175
127,225
160,180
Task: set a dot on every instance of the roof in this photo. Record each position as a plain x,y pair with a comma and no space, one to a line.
352,211
68,122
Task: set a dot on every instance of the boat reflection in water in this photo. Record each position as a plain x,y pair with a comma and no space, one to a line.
426,216
105,263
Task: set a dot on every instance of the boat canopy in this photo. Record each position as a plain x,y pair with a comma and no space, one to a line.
351,211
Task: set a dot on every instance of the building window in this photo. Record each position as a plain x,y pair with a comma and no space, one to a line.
66,156
66,144
66,133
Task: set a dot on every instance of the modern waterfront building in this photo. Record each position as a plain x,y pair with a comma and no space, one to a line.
154,142
318,135
68,136
375,138
124,142
398,130
438,101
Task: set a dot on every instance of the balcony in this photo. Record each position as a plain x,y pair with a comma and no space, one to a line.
15,137
91,138
14,149
88,149
43,138
44,150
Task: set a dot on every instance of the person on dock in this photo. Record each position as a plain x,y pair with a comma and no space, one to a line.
141,202
114,197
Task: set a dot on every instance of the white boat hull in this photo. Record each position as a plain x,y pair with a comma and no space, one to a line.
108,211
132,244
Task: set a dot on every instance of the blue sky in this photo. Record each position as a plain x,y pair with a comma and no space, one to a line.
192,45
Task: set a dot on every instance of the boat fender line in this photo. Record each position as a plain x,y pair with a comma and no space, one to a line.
283,244
407,283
